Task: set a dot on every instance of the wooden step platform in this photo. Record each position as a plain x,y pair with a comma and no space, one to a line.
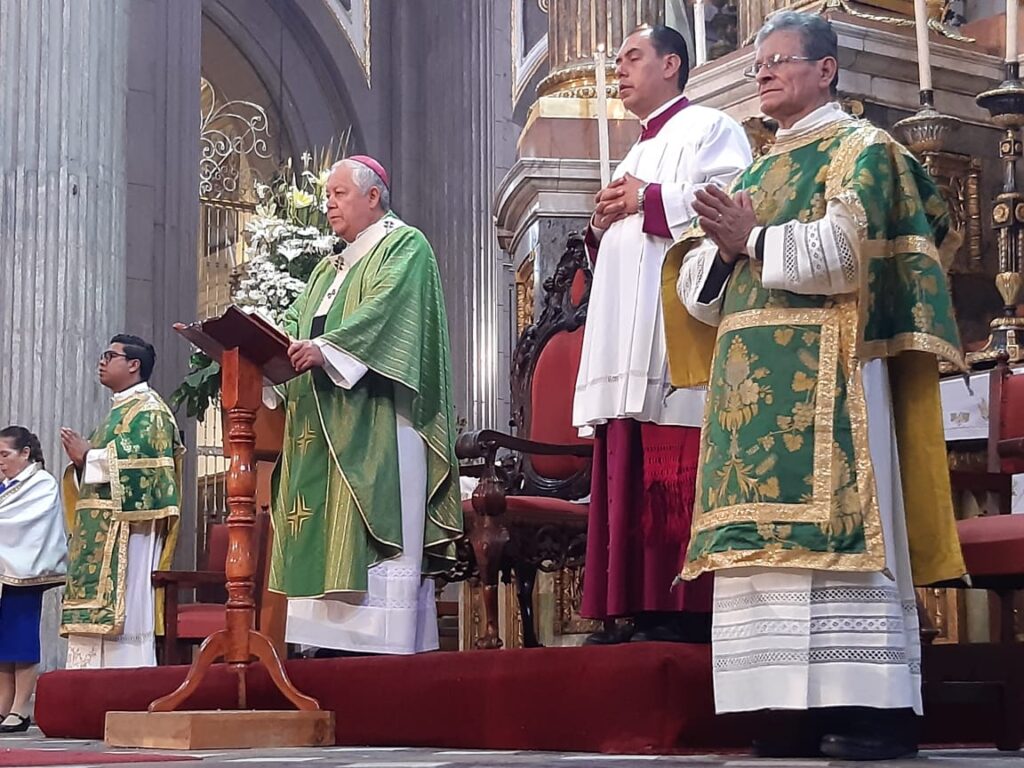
219,729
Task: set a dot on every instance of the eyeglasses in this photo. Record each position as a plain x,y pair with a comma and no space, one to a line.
774,61
110,354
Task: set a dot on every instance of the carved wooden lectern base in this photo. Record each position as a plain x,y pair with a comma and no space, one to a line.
239,644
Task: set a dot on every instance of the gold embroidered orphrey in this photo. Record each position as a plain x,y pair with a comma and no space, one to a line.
785,476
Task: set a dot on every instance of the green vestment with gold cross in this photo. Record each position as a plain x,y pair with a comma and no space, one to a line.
143,451
336,488
785,475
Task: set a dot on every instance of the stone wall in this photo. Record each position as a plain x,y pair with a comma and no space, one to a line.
98,168
162,210
453,140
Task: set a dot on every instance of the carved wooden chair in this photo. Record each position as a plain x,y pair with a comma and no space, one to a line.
993,549
524,515
188,624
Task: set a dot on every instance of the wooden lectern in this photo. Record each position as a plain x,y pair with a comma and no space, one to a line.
249,350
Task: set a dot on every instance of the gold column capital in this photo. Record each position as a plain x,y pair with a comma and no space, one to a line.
575,30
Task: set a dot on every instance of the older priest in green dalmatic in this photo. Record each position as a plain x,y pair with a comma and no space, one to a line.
823,492
365,496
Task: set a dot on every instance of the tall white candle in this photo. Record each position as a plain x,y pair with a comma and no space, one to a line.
1011,30
924,60
700,32
602,117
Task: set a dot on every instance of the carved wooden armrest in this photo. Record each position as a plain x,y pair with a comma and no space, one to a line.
1011,447
489,494
485,443
188,579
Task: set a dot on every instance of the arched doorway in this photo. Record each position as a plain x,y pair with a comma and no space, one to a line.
272,91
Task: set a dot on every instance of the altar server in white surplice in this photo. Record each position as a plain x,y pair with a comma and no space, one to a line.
646,438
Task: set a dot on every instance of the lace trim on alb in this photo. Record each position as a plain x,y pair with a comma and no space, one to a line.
841,654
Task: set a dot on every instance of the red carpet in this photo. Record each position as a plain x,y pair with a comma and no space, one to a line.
641,697
649,697
28,757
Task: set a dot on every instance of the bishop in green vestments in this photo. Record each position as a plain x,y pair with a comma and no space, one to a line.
365,495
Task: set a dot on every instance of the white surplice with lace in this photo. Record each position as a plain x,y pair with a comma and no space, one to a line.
623,369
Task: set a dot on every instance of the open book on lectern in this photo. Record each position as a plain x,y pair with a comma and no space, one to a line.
257,340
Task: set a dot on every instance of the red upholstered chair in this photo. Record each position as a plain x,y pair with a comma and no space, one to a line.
188,624
523,517
993,549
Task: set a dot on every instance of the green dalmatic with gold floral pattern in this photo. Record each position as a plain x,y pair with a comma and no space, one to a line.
142,447
785,475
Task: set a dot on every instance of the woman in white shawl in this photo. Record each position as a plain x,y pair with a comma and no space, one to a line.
33,558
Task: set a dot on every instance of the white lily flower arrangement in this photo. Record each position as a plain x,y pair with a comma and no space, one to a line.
287,236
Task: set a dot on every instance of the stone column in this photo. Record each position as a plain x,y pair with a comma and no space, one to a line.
162,180
575,30
62,218
447,191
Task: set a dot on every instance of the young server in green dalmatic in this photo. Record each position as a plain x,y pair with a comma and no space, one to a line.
122,497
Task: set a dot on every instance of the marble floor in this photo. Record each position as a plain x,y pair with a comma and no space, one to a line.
367,757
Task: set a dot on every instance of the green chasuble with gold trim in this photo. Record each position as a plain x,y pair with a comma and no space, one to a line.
142,447
336,488
785,475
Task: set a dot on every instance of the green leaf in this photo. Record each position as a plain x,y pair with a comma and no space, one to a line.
200,387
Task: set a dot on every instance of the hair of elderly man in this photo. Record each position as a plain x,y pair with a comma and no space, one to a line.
817,38
365,179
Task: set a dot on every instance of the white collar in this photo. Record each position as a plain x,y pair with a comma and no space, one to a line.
120,397
366,240
25,474
812,121
659,110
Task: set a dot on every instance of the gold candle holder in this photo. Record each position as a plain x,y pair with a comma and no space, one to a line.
1005,103
927,129
925,134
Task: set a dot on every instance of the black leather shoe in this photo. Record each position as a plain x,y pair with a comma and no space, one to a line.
620,634
19,727
867,733
673,627
659,633
866,747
